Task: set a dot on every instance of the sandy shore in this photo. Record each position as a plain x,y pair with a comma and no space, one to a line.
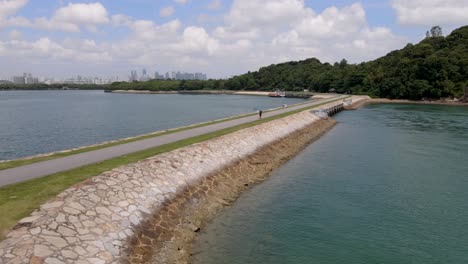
364,101
143,92
252,93
402,101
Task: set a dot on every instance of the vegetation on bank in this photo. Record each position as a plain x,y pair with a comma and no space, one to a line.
437,67
26,161
19,200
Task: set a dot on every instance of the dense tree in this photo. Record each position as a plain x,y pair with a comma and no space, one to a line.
436,67
436,31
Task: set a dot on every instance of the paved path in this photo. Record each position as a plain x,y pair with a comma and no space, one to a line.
39,169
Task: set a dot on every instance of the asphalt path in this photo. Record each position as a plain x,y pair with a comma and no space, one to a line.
44,168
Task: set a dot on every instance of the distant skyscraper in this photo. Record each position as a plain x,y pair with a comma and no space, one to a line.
168,76
144,77
133,76
18,79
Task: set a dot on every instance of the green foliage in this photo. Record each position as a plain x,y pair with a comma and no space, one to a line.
436,67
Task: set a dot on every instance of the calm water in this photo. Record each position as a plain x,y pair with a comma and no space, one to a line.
389,184
33,122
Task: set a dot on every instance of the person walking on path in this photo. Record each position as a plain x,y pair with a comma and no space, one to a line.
260,112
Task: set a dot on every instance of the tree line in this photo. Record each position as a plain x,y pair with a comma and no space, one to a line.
437,67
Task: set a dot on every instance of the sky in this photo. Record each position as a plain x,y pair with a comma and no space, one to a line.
219,37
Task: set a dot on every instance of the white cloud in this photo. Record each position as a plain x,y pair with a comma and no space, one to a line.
215,4
333,22
243,39
182,2
229,34
10,7
196,40
15,35
51,25
167,11
272,13
82,14
18,22
46,49
88,45
431,12
69,18
121,20
148,30
291,31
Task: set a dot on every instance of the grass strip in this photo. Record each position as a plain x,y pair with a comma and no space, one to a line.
26,161
19,200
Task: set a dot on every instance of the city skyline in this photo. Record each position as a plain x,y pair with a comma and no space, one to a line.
220,38
29,78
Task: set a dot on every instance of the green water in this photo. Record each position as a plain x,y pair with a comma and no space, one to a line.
388,184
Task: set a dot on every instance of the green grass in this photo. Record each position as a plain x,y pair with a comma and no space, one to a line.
27,161
21,162
19,200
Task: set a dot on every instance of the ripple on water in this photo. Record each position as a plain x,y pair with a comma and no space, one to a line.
35,122
386,185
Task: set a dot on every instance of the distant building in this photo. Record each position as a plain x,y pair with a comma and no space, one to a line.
200,76
18,80
133,76
167,76
158,76
27,78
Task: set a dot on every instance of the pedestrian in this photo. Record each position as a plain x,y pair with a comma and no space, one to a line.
260,112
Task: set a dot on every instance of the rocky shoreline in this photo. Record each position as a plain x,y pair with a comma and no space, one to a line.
143,211
180,219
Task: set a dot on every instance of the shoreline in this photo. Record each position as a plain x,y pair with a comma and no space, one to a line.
138,137
289,94
365,101
406,101
168,237
114,215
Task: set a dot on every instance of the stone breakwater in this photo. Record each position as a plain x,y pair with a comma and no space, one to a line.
123,215
357,102
185,215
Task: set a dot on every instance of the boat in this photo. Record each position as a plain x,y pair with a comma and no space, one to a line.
277,93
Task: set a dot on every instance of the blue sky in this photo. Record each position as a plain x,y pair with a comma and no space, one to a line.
221,38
